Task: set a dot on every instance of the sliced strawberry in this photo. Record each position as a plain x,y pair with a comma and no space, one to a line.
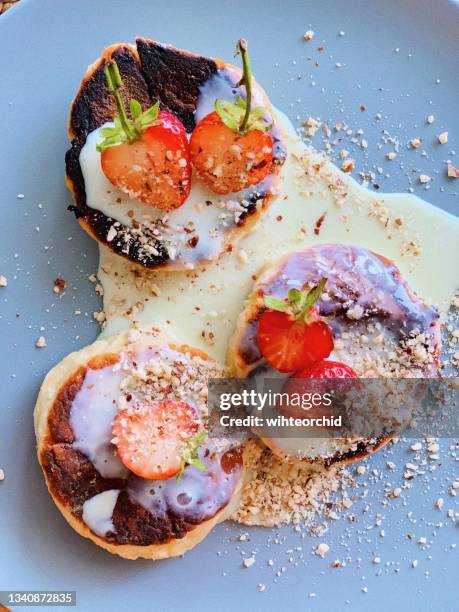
289,345
145,155
317,379
231,148
327,369
155,168
226,160
291,335
154,441
322,376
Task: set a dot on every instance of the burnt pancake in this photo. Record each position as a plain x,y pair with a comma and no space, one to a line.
99,497
151,72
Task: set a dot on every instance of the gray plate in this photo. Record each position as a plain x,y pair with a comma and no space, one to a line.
44,49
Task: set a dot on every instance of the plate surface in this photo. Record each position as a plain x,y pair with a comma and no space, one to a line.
44,49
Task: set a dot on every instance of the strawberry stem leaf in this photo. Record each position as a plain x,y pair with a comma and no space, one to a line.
294,296
246,79
298,303
239,115
275,303
126,129
311,297
190,454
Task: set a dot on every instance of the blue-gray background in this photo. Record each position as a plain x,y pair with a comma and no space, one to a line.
45,46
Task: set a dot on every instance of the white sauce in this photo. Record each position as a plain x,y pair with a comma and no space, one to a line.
91,417
220,86
196,496
186,304
219,290
98,511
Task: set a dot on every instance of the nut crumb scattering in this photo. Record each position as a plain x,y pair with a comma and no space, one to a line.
59,285
40,342
443,138
3,281
348,165
322,550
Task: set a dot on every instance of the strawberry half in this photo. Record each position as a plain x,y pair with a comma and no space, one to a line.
157,441
318,378
231,148
226,160
145,156
327,369
291,335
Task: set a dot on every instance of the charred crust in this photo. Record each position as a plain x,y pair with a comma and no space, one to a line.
60,428
361,450
254,198
75,176
136,526
174,77
94,105
129,246
72,478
